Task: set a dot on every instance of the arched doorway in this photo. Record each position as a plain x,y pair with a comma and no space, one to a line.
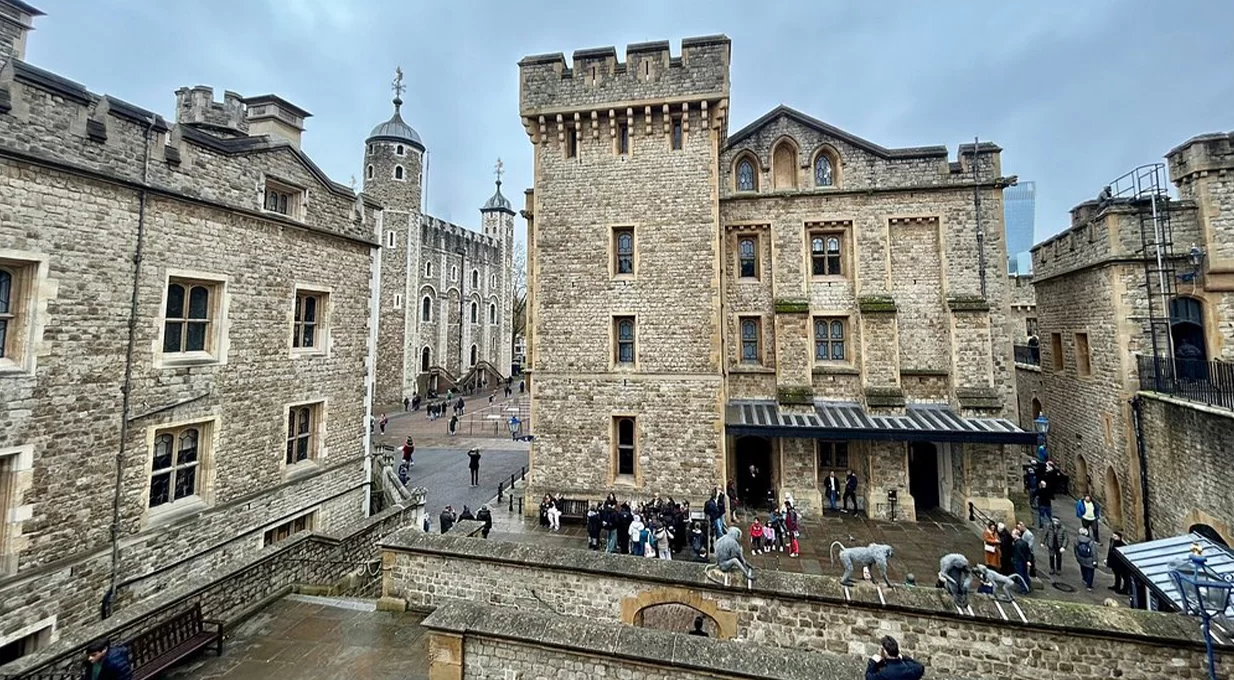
1079,485
753,474
1187,335
1036,408
674,617
1113,510
425,359
923,476
1209,533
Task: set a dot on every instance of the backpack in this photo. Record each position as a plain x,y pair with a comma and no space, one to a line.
1084,550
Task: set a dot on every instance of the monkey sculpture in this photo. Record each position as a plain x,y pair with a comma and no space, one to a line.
956,576
997,582
875,553
730,556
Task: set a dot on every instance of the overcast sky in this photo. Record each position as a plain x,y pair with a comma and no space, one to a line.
1076,92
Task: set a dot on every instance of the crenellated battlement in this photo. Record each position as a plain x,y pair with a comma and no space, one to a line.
449,236
196,106
650,75
1213,152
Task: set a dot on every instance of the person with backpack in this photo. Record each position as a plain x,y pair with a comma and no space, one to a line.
1089,513
1087,557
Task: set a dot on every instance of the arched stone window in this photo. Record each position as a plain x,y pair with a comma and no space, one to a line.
426,309
475,314
492,312
398,150
368,172
824,170
425,359
747,176
475,279
398,172
428,268
784,165
475,354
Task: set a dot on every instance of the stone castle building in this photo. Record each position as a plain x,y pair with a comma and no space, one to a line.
191,318
765,306
446,300
1139,275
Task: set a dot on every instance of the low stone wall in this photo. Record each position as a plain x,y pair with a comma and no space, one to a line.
469,640
803,612
231,593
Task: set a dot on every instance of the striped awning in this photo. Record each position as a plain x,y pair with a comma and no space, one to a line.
847,421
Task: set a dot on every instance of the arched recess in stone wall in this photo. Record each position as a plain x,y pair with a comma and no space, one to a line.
635,611
1209,533
1079,481
1113,509
1036,407
1206,525
784,164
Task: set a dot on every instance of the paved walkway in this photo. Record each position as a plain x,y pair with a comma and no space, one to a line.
295,640
481,421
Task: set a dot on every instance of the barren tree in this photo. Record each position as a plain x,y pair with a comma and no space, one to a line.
519,307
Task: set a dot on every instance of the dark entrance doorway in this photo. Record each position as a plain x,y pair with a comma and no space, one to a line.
1208,532
923,475
753,471
1187,336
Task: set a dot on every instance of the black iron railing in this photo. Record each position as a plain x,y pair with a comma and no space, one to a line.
1205,382
1028,354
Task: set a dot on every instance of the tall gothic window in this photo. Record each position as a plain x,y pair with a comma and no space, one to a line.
426,309
624,252
426,356
745,176
749,341
625,340
748,257
822,171
829,339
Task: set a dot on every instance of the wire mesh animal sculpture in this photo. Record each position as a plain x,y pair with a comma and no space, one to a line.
998,582
956,576
862,556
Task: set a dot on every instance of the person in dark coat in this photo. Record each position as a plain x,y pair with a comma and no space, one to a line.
446,519
594,523
624,518
888,664
1022,559
485,515
1006,543
105,661
466,513
1122,582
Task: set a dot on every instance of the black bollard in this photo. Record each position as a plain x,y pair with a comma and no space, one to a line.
500,491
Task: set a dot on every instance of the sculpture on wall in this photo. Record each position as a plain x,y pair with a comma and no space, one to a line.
997,582
730,556
956,576
875,553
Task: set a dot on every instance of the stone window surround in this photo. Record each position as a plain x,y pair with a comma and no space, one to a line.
17,476
217,343
614,232
634,479
1083,355
297,197
475,311
843,229
793,169
677,133
309,518
571,134
474,354
426,359
834,156
1056,351
621,137
475,280
846,319
492,312
318,451
398,174
45,633
428,300
399,150
31,291
398,300
321,344
614,352
207,446
755,257
833,451
755,166
368,171
743,322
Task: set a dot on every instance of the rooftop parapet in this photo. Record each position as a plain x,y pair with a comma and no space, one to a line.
1203,153
649,75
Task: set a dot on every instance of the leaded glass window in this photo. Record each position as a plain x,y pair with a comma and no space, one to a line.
829,339
749,341
748,255
625,340
823,171
745,176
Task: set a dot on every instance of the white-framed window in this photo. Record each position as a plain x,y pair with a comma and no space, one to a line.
492,312
453,273
398,300
398,150
283,199
428,269
625,446
193,318
426,308
475,355
177,465
391,238
398,173
475,312
492,281
368,172
309,320
305,429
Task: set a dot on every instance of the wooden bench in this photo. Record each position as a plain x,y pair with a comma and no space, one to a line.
573,510
172,641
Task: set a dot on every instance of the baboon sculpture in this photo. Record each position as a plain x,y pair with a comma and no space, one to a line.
999,582
730,556
956,576
862,556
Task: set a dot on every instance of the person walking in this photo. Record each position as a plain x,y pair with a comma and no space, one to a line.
453,425
1090,516
792,525
105,661
408,449
1044,496
1055,541
1122,581
850,491
473,464
889,664
1022,559
832,486
1086,557
406,404
381,424
485,515
1005,543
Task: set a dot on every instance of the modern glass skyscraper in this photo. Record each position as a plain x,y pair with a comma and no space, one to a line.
1019,214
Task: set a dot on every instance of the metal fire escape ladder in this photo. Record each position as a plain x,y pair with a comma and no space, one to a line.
1147,187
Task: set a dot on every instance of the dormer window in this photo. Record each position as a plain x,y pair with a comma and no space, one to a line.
283,199
398,150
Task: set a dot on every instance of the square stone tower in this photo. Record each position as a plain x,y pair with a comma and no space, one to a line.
624,258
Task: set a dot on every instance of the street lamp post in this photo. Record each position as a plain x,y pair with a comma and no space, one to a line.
515,426
1204,593
1042,425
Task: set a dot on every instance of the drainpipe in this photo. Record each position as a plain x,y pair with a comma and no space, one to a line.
980,228
1137,420
127,386
370,364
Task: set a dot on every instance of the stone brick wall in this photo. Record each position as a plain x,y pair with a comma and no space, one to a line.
72,221
1189,475
801,612
232,592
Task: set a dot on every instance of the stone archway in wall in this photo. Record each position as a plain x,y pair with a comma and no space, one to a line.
1036,408
1209,533
1208,526
1079,481
1113,509
674,609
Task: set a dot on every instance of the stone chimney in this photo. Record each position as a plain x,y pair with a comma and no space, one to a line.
16,21
196,107
274,116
